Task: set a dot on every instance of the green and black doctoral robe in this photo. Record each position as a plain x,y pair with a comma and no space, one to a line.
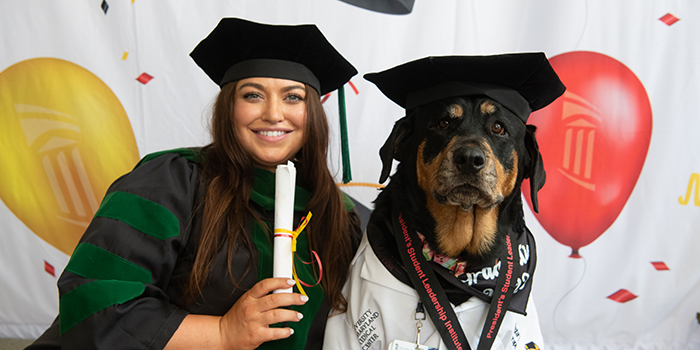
124,284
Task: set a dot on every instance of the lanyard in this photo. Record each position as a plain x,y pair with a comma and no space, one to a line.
435,300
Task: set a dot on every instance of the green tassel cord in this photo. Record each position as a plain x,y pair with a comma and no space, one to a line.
344,147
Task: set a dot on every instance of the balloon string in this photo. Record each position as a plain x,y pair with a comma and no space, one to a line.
554,313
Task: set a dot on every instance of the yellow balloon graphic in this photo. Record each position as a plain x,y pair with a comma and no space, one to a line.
64,138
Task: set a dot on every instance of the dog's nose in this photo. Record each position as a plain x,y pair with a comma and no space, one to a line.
469,159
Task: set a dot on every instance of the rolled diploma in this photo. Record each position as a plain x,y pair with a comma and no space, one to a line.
285,180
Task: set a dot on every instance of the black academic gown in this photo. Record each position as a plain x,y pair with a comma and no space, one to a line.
123,286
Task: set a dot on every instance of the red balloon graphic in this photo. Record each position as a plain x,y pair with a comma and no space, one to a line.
594,140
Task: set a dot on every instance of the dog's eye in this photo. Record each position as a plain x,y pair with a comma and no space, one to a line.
444,124
498,129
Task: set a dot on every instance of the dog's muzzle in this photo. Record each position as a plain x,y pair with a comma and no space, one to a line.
467,177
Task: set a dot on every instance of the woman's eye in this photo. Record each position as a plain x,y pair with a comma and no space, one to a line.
295,98
251,95
498,129
443,124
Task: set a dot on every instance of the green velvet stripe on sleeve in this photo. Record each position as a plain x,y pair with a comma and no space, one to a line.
142,214
118,281
81,302
92,262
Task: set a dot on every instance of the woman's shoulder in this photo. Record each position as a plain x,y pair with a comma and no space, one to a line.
166,170
191,154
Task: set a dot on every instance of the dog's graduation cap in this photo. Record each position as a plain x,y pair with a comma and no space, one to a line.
239,49
522,82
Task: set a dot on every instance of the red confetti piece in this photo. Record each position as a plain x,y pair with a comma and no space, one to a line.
354,88
669,19
622,296
325,97
144,78
660,265
49,269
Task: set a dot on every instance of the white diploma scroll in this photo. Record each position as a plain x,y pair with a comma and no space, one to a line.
285,180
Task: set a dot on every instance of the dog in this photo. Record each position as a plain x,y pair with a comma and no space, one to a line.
447,238
462,162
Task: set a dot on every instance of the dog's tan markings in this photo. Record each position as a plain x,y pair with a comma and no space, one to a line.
427,172
488,107
456,230
507,178
456,111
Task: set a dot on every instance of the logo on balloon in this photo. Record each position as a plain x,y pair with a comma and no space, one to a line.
594,140
64,137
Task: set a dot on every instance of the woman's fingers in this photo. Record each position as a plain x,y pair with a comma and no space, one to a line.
268,285
269,301
247,323
281,315
280,333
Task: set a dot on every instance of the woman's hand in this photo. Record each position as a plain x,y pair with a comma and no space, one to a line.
247,324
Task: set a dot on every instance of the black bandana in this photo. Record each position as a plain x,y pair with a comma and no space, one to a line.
477,281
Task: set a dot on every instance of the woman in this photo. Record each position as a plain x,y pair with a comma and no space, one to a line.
179,254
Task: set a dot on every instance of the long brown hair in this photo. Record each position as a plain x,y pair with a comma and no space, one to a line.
229,170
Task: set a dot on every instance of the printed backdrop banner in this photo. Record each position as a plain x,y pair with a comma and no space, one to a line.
87,88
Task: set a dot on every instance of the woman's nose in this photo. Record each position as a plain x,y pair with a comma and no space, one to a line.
273,112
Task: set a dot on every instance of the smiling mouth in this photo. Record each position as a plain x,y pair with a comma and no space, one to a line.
271,133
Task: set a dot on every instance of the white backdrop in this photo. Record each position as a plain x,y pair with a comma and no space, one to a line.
581,302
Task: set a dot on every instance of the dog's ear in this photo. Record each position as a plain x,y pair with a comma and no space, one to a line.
535,170
392,146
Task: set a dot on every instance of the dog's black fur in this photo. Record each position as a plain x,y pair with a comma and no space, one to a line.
459,157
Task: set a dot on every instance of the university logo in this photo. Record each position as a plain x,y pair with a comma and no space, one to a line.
64,138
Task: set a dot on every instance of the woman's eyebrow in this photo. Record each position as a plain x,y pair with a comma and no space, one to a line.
261,87
255,85
293,87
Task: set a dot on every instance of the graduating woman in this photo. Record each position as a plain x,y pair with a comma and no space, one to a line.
179,254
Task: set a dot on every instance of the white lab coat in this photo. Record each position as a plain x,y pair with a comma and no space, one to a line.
381,309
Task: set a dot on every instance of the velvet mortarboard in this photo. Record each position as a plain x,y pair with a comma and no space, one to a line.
392,7
522,82
238,49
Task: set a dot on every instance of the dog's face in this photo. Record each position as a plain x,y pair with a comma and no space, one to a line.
467,157
470,155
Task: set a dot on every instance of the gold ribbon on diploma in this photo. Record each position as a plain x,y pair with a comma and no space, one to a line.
294,234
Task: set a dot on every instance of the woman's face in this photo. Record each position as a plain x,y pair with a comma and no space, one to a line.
269,118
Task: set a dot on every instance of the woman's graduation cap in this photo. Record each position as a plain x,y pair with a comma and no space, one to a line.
522,82
239,49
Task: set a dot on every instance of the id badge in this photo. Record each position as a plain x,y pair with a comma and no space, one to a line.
405,345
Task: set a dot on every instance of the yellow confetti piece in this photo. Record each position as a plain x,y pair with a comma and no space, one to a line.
132,1
125,55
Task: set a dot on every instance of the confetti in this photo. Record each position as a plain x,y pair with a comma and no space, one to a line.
104,6
49,269
354,88
622,296
660,265
144,78
325,97
125,55
669,19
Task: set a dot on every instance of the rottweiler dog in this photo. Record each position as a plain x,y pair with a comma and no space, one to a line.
461,164
449,227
